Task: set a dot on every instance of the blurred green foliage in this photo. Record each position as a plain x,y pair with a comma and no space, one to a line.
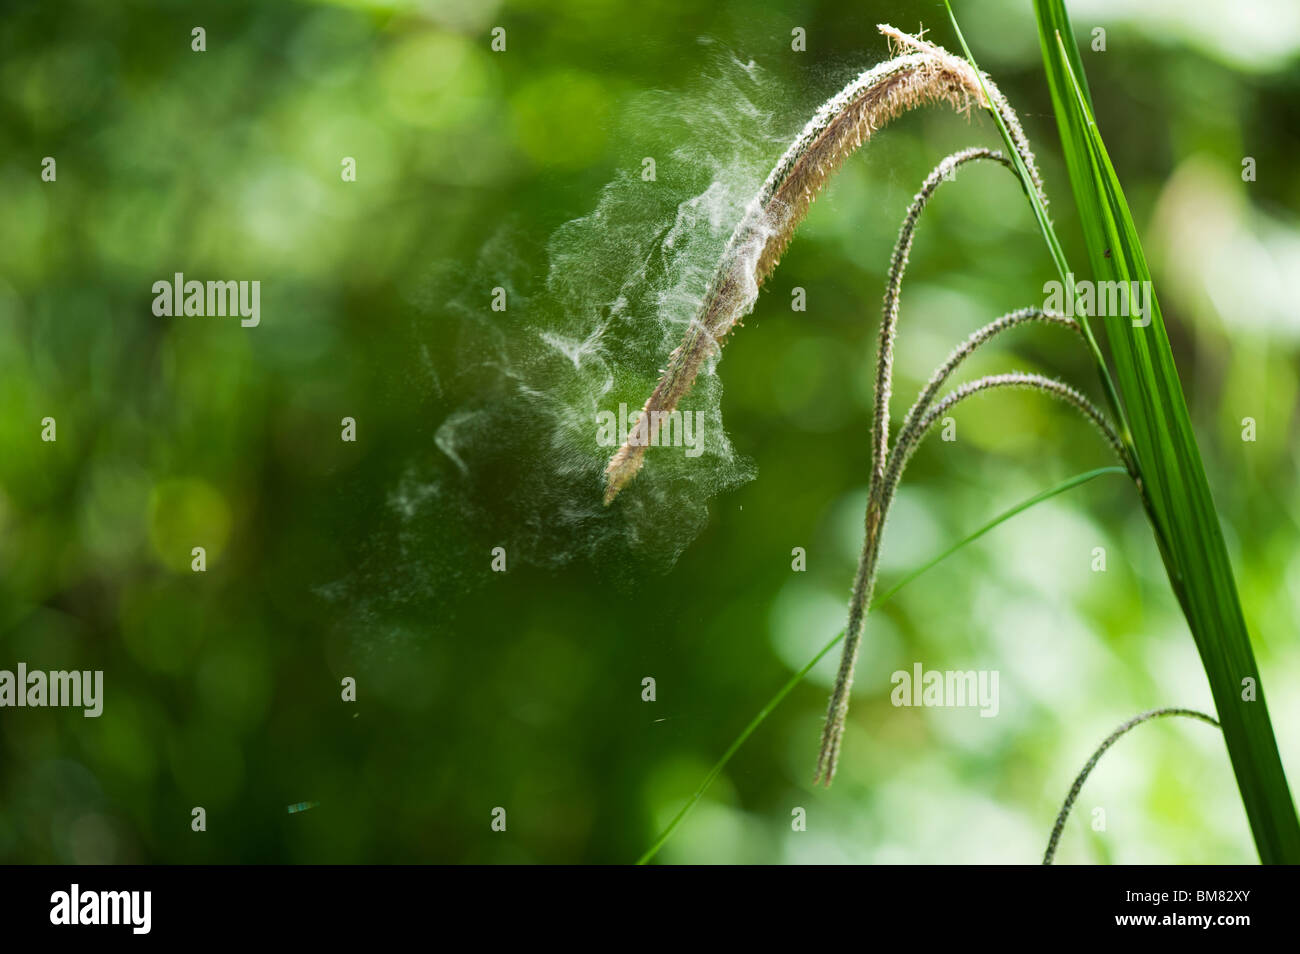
371,559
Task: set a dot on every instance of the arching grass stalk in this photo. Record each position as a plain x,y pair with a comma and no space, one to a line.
941,173
1111,739
887,466
1075,481
878,508
1012,134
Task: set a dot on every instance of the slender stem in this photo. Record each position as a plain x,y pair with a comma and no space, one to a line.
878,507
1014,379
960,353
886,466
910,439
941,173
880,487
798,677
1029,175
1096,756
864,582
1005,515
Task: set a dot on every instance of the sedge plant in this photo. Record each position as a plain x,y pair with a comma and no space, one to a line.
1147,427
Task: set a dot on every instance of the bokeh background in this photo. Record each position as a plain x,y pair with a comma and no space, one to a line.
521,170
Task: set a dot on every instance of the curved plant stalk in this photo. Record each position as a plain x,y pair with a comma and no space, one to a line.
1096,756
1012,135
878,500
1015,379
960,353
1075,481
925,74
943,172
887,468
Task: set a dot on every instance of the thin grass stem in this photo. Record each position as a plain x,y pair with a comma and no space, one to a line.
878,507
941,173
1111,739
798,677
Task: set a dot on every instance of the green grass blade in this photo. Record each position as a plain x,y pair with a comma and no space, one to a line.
754,723
1024,505
798,677
1178,496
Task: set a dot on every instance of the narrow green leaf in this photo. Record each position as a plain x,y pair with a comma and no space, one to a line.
1177,492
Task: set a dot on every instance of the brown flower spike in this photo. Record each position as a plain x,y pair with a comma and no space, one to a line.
920,74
